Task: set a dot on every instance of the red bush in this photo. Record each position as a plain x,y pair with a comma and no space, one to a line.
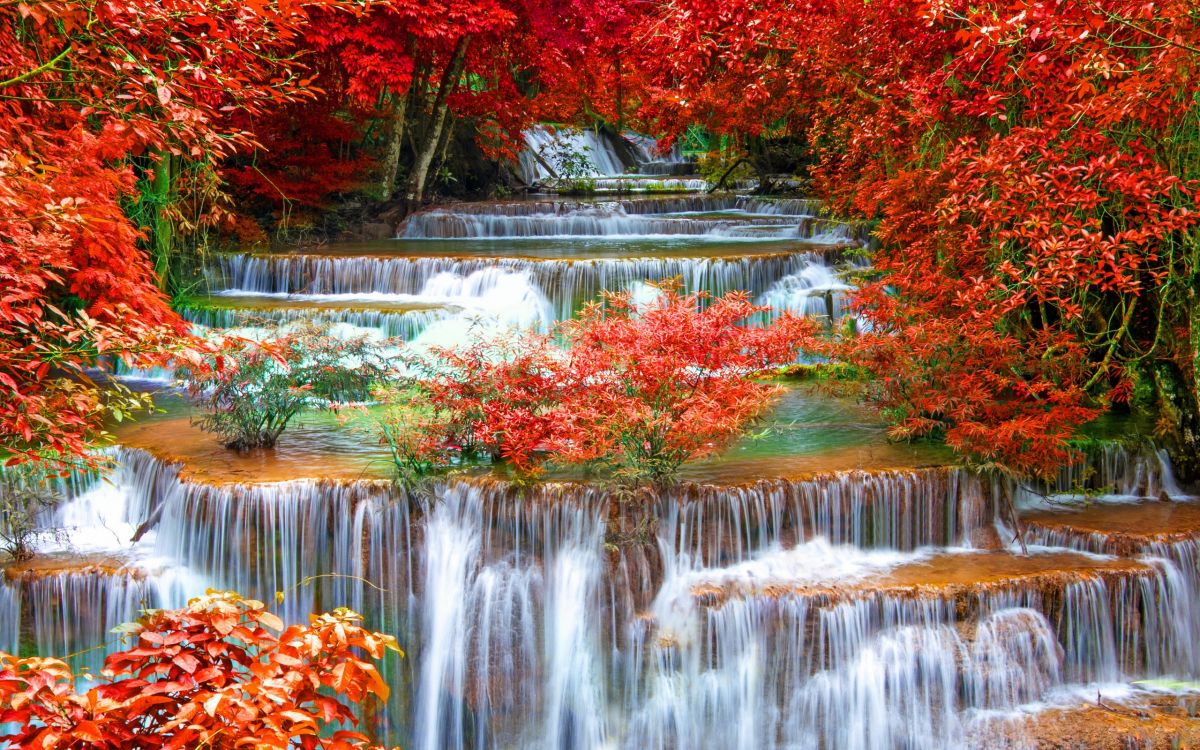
641,387
215,674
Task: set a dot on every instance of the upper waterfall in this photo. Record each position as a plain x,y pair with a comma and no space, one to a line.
552,153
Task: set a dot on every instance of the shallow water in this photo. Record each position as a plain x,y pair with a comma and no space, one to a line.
804,434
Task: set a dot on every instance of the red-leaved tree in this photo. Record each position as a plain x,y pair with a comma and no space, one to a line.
671,380
640,387
1032,167
222,672
88,91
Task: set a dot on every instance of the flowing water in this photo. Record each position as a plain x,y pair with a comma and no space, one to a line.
818,588
551,154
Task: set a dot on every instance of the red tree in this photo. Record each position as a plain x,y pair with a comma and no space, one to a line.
1032,174
217,673
641,387
83,88
673,380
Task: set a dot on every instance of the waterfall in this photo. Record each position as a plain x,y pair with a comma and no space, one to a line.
889,509
841,610
584,152
99,599
680,217
825,610
814,290
595,154
452,545
264,540
519,264
652,162
405,324
10,616
567,284
643,184
1108,472
104,514
609,221
808,647
505,598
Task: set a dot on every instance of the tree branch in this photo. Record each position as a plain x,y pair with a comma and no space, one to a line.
41,68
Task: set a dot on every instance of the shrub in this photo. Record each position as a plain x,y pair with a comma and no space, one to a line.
569,163
216,674
26,494
672,380
251,390
498,398
638,388
414,432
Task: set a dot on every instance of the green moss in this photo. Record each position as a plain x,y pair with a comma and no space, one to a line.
822,371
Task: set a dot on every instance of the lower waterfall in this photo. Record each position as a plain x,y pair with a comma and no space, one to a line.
849,610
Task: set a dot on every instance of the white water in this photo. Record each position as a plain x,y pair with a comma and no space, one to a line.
1111,474
693,218
576,250
523,633
814,290
596,153
516,282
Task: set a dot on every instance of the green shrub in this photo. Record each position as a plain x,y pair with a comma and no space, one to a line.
249,390
26,493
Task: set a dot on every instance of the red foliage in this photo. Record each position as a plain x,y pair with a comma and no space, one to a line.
76,290
501,397
217,673
313,156
1020,254
673,380
83,87
645,387
588,65
1028,165
732,67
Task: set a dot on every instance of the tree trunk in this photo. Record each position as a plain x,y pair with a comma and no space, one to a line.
720,184
756,154
163,229
1188,450
443,146
414,192
620,95
395,146
1177,380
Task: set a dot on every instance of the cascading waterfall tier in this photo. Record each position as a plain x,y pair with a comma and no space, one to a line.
722,203
601,220
693,217
70,608
566,283
529,263
591,153
889,650
234,312
1108,471
841,610
1117,500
